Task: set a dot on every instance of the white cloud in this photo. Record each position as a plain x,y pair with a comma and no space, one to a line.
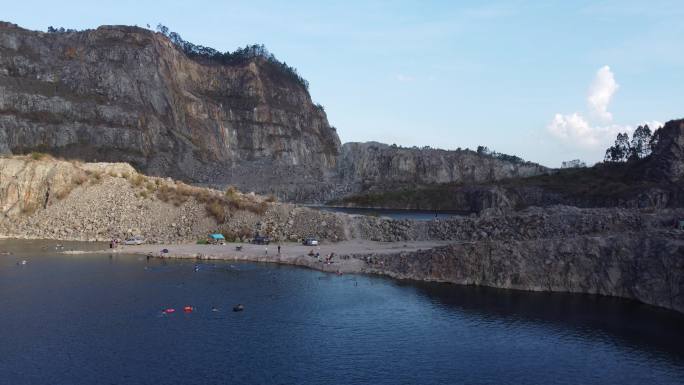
601,92
576,130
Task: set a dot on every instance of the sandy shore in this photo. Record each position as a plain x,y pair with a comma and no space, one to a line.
290,253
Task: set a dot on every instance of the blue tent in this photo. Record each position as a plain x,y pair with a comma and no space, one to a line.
217,237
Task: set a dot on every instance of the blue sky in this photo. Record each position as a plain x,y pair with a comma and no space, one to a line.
548,82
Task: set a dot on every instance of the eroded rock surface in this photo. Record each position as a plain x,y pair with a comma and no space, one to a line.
646,266
126,94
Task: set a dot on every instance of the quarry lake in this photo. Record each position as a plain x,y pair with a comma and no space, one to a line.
85,319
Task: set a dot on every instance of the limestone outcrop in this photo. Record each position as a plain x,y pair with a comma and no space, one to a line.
375,165
646,266
127,94
27,185
656,182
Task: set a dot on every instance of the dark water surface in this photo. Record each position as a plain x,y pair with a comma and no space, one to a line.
92,319
416,215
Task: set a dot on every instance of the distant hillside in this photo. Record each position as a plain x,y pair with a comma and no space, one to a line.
656,181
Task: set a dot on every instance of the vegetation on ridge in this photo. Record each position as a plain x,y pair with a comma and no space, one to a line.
218,204
601,183
239,56
640,147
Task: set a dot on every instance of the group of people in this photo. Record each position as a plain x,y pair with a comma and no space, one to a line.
328,259
266,250
114,243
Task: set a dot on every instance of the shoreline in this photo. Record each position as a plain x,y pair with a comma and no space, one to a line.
591,266
346,259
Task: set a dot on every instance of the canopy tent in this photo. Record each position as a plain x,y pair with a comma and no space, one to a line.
217,237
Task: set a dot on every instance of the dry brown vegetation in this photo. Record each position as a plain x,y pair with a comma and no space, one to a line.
29,209
79,179
95,177
63,193
137,180
218,205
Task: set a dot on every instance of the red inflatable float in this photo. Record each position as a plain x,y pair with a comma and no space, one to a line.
188,309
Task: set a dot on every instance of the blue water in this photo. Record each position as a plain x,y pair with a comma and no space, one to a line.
416,215
96,319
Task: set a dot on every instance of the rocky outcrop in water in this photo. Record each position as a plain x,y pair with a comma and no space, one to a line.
646,266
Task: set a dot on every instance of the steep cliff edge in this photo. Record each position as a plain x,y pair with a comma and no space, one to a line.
127,94
378,166
646,266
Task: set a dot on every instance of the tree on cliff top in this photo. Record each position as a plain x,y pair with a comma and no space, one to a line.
626,150
239,56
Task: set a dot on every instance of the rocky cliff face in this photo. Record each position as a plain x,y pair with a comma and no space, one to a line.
618,252
127,94
375,164
55,199
654,182
27,186
644,266
615,251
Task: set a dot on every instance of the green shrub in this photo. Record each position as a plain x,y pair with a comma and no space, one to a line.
38,155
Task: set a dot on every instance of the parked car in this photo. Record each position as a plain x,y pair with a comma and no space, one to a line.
134,241
261,240
310,241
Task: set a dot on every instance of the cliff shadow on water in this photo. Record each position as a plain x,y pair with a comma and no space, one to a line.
630,324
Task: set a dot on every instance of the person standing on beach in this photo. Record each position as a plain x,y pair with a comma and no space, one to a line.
266,250
278,249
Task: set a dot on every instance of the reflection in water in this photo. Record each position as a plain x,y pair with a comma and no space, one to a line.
83,319
633,324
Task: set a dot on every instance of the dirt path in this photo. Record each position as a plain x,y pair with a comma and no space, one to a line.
290,253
